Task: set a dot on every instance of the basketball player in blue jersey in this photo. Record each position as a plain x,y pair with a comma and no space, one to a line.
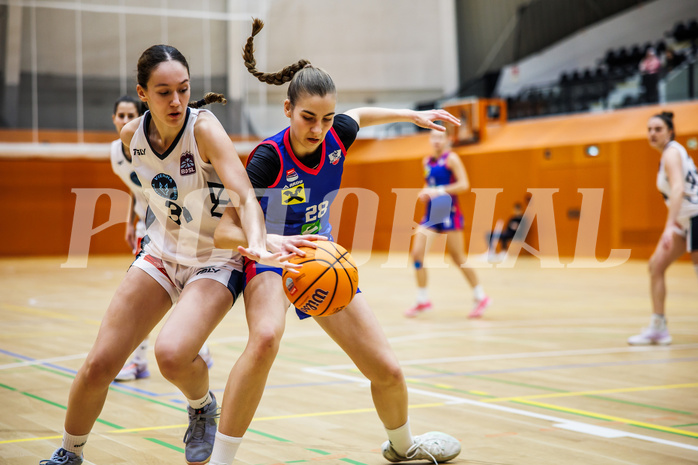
677,180
445,178
189,171
296,174
126,109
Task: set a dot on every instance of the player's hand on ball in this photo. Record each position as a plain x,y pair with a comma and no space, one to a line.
291,244
278,259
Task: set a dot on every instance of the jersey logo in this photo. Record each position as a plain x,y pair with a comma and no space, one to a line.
134,179
164,186
293,195
311,228
139,152
186,164
291,175
335,156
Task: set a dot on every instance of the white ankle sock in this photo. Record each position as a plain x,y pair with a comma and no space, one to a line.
401,438
200,403
422,295
74,444
478,292
658,322
140,354
224,449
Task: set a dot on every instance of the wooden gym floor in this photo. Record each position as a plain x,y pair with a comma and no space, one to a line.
544,378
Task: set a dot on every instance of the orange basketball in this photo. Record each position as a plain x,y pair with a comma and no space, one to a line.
326,282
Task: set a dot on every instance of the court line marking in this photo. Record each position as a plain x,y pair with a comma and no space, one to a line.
42,361
572,425
588,393
520,355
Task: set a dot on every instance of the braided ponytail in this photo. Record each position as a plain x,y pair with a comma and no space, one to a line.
210,97
304,77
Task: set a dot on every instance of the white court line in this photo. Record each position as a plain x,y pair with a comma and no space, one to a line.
569,425
42,361
520,355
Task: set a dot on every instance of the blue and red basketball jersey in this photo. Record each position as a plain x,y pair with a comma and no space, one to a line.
298,202
443,212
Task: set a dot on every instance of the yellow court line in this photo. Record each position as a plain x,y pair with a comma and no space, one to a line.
589,393
9,441
609,417
279,417
46,313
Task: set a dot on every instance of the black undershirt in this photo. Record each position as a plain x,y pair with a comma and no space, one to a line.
264,166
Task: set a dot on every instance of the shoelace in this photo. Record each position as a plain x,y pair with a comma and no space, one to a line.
57,457
422,446
197,427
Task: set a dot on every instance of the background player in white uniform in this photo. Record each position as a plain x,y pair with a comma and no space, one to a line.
193,159
677,180
314,127
126,109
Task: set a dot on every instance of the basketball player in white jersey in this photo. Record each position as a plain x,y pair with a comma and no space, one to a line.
677,180
127,108
189,171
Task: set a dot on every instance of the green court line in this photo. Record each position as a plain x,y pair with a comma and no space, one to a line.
267,435
50,402
687,424
638,404
352,461
545,388
115,389
318,451
163,443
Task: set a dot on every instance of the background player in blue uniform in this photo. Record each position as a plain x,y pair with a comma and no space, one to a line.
445,178
311,151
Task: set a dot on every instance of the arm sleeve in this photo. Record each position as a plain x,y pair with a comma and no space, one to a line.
263,168
346,128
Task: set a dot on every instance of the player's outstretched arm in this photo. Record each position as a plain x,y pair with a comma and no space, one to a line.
230,235
371,116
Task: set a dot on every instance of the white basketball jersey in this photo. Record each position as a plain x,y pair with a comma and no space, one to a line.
689,203
185,197
122,167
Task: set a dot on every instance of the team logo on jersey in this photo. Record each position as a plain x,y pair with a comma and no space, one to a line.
335,156
186,164
164,186
291,175
208,269
134,179
293,195
311,228
139,152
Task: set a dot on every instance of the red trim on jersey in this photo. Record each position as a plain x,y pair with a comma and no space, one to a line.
278,152
339,142
157,263
289,149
